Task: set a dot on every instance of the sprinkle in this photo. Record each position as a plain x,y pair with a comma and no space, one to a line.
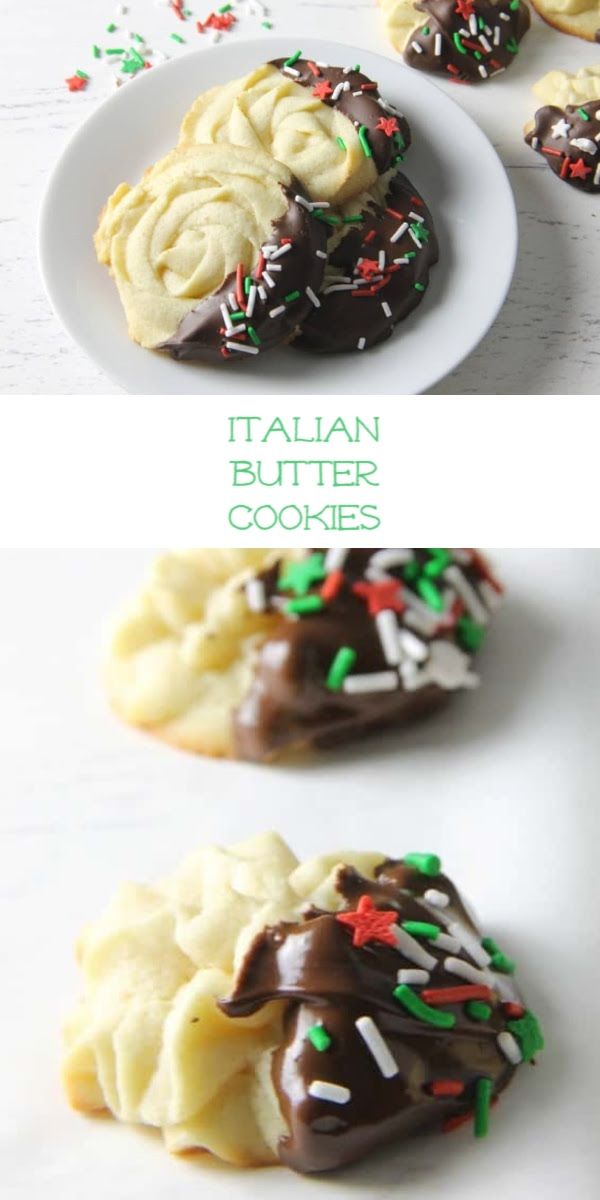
528,1034
82,75
437,45
364,141
96,51
458,966
255,595
375,681
412,975
444,942
446,1087
176,37
378,1048
304,604
470,635
478,1011
456,995
335,558
458,43
111,28
291,296
368,923
467,593
387,629
320,254
321,1090
413,950
115,50
252,291
292,71
314,299
413,646
498,960
360,345
483,1096
318,1035
482,71
470,942
415,1006
509,1047
425,864
386,308
240,346
416,47
340,667
332,586
341,143
421,929
438,899
268,278
252,334
289,62
582,113
276,312
283,249
585,144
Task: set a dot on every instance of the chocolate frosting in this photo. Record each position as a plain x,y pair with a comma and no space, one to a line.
469,40
355,318
202,333
359,101
569,140
289,703
331,983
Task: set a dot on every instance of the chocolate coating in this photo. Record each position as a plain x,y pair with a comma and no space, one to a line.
202,334
355,319
469,40
568,140
330,981
360,102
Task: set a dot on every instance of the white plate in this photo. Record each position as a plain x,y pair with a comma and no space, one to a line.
451,163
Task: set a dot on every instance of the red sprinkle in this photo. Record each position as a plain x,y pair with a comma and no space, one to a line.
565,166
455,995
369,236
392,212
260,266
417,200
286,241
332,585
313,67
446,1087
239,286
385,593
512,1010
455,1122
549,150
369,87
452,69
75,83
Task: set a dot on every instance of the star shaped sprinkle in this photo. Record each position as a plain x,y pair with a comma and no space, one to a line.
322,90
298,577
419,231
464,9
383,594
561,128
369,924
76,83
221,20
368,267
388,125
578,169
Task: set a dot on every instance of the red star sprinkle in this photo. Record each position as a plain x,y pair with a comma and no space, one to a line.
388,125
76,83
368,267
385,593
369,924
322,90
465,9
578,170
221,20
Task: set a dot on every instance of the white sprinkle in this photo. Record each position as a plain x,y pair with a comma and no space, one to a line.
270,282
498,72
357,93
291,71
586,144
497,35
485,43
378,1048
535,141
321,64
335,558
386,308
321,1090
470,942
488,30
305,203
339,287
438,899
273,266
232,300
361,343
228,323
597,175
504,16
387,629
238,329
320,254
401,262
417,48
413,950
417,217
465,970
445,942
482,71
314,299
388,107
215,36
399,231
509,1047
473,24
275,312
412,645
467,593
251,300
597,114
381,260
437,45
412,975
268,249
340,87
493,599
255,595
242,347
375,681
262,292
383,559
281,250
415,239
320,204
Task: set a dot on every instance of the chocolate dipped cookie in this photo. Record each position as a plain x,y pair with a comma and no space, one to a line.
251,653
269,1011
569,141
470,41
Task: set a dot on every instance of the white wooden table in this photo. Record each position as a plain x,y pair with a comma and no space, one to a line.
546,338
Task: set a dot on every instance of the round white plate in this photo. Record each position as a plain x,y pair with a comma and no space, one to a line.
451,163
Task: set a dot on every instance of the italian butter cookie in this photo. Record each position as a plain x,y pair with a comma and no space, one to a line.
581,18
470,41
251,653
215,253
561,88
376,274
270,1011
327,124
569,141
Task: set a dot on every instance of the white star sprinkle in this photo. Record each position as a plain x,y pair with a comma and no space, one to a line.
561,128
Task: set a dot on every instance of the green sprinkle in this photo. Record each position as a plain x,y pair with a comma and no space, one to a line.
341,143
329,218
440,559
266,25
137,37
490,945
582,113
412,570
253,335
420,287
399,140
426,589
481,23
247,285
340,667
225,8
136,57
512,46
410,254
176,37
304,604
425,30
116,50
130,66
397,159
299,576
354,220
478,1010
421,929
289,62
477,55
364,141
504,964
318,1035
528,1034
238,316
420,231
458,43
82,74
470,635
514,4
111,28
291,296
357,67
425,864
483,1097
96,51
416,1006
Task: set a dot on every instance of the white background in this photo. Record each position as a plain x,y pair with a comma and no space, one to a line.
545,340
503,784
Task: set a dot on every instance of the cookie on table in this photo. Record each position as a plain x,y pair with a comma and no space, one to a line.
566,131
469,41
562,88
268,1011
215,253
581,18
251,653
324,123
376,274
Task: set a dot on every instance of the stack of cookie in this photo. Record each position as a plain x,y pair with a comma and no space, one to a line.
280,216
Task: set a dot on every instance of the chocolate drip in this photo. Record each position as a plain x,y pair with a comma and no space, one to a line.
555,132
330,982
469,40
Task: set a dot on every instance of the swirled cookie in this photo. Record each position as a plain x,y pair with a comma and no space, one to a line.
376,274
569,141
561,88
266,1010
470,41
215,253
250,653
324,123
581,18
